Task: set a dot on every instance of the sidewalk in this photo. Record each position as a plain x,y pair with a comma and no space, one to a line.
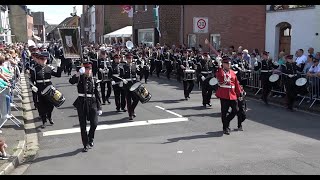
15,139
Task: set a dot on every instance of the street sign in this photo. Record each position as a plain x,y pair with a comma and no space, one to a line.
200,25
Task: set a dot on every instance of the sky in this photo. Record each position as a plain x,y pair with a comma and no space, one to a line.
55,14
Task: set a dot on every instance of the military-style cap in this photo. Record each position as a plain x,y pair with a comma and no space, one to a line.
87,64
289,57
226,59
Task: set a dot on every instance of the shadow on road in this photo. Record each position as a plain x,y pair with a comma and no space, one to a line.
73,153
201,136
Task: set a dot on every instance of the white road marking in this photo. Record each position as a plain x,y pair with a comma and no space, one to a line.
171,112
113,126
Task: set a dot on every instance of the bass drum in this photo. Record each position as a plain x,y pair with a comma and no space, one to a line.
301,85
53,95
274,80
143,94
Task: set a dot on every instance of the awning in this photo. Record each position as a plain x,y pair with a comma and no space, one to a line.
123,32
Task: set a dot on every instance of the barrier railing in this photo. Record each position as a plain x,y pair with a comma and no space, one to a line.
311,90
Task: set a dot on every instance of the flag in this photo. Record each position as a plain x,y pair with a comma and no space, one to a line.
156,18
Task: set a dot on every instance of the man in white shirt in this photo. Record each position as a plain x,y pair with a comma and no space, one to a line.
301,58
314,70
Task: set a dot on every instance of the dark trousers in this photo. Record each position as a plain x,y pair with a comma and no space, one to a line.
187,87
103,90
225,116
206,91
119,97
68,68
168,72
241,114
152,68
45,108
266,88
158,71
132,102
144,74
35,99
87,113
291,93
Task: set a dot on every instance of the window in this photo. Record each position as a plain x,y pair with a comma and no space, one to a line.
215,40
192,40
146,36
139,8
145,7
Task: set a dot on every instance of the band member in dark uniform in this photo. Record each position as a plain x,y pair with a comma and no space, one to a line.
88,103
229,91
152,56
290,72
94,59
129,75
168,59
158,62
41,77
205,70
117,84
31,62
104,74
145,67
187,84
265,66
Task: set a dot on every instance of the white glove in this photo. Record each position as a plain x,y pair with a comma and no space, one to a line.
290,75
58,61
101,70
121,84
256,63
236,65
34,89
113,82
99,112
203,78
82,70
125,81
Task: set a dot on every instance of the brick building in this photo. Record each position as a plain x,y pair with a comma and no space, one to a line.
21,23
227,25
145,29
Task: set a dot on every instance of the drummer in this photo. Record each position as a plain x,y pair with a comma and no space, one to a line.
41,78
289,71
128,74
188,84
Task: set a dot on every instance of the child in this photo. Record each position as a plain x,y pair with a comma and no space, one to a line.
3,146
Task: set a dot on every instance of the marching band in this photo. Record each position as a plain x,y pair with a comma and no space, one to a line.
120,69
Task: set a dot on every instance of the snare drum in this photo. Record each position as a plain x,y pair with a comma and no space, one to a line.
143,94
53,95
301,84
274,80
189,74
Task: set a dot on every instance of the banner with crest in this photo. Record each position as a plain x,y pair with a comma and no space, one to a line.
70,39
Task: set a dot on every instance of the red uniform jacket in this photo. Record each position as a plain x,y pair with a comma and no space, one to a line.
224,91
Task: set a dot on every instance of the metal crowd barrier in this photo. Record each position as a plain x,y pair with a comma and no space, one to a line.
252,79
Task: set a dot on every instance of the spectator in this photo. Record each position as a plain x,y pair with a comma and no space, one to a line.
301,58
311,52
3,146
308,65
281,60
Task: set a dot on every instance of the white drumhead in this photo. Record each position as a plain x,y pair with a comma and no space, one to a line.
301,81
135,86
189,71
274,78
213,81
47,89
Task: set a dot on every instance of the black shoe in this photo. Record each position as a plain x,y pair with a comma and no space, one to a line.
240,128
130,118
186,99
124,110
118,110
51,121
44,125
204,105
85,149
189,97
209,104
226,132
134,115
104,103
108,101
91,144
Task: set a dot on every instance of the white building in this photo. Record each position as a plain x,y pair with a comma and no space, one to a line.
292,29
92,32
5,31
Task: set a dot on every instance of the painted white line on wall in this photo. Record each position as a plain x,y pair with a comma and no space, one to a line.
114,126
168,111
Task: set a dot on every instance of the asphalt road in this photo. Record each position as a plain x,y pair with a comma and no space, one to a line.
274,141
